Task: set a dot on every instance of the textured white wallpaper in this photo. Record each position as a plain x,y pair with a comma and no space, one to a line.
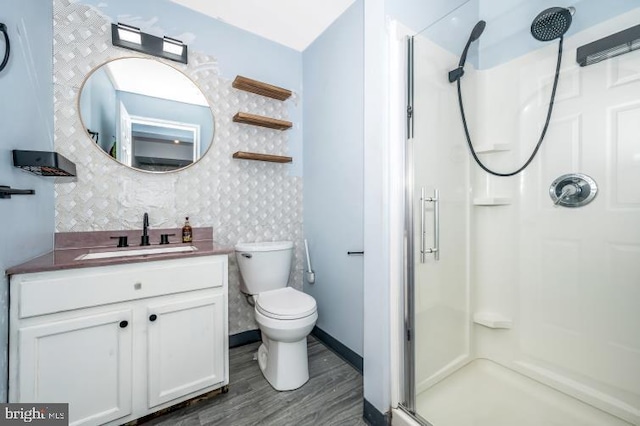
242,200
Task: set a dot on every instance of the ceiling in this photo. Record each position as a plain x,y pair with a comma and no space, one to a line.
293,23
153,78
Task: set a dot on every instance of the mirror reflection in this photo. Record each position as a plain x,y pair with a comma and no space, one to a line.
146,114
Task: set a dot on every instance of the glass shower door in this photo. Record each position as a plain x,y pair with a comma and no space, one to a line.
440,204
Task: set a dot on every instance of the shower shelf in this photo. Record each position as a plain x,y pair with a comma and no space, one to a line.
491,201
495,147
492,320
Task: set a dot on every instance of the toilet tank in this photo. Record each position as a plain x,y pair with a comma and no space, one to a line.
264,266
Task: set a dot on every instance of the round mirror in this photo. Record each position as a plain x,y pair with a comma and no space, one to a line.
146,115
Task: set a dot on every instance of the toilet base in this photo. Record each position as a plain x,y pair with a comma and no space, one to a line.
284,364
283,353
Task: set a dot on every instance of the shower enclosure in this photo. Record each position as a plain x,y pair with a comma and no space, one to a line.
522,305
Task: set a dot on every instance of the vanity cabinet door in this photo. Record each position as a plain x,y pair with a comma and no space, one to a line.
186,346
83,360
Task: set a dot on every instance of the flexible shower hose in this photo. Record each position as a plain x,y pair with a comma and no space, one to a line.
542,135
7,46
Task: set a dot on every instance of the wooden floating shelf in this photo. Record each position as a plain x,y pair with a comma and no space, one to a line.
260,88
259,120
262,157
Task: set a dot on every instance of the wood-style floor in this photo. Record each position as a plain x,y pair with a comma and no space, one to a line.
332,396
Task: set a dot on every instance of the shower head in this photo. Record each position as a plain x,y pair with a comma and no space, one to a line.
476,32
552,23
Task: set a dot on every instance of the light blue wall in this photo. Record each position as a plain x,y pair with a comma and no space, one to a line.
420,14
238,52
452,30
333,183
26,120
445,23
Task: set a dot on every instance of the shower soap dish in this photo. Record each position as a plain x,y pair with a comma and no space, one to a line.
492,320
494,147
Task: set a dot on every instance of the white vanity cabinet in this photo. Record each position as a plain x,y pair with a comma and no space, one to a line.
183,343
119,342
84,360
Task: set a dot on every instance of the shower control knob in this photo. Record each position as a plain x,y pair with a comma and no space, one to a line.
573,190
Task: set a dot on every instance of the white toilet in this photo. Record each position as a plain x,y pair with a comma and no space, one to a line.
285,316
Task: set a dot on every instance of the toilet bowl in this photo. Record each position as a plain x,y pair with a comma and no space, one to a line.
285,315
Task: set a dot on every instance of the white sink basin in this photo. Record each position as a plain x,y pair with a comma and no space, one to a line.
137,252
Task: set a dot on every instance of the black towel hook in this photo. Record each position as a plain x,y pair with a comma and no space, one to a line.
7,49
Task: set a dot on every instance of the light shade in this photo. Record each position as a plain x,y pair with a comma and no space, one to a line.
132,38
171,45
129,33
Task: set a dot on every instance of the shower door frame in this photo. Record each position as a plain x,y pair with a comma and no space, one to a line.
408,400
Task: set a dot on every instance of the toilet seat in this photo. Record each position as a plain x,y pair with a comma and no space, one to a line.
265,246
285,303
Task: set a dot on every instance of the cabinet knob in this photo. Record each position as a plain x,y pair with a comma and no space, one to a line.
153,317
123,324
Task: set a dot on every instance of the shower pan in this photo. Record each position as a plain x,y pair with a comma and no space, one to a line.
518,310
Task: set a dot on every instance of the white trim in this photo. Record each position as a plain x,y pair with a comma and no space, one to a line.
396,34
189,127
377,344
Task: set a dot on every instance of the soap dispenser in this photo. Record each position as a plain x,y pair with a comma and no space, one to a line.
187,235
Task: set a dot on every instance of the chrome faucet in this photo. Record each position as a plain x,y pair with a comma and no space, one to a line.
144,240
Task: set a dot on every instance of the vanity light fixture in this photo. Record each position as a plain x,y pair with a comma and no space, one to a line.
130,37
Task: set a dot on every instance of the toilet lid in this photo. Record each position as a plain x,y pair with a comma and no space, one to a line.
265,246
285,303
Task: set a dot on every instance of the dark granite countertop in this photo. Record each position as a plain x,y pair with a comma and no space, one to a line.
70,245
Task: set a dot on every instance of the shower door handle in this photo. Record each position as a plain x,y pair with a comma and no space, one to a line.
435,199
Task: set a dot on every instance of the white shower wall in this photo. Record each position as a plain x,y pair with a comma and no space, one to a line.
569,279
